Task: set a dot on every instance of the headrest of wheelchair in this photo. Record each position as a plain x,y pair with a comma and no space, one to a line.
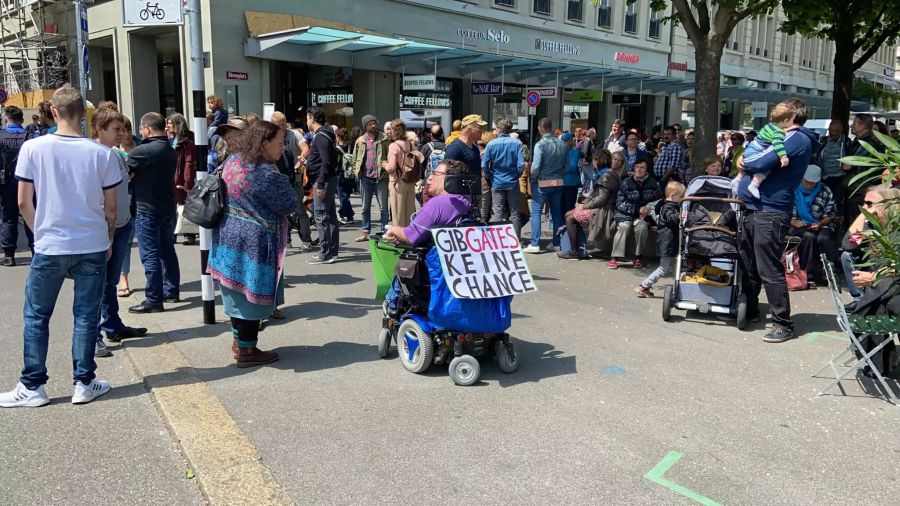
462,184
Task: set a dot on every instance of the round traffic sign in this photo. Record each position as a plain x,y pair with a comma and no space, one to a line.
3,96
533,98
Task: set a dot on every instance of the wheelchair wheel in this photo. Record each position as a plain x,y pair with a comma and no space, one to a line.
667,304
415,347
465,370
384,343
508,362
742,311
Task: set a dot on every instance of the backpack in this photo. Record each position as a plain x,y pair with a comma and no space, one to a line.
336,152
434,159
411,170
10,145
205,204
345,162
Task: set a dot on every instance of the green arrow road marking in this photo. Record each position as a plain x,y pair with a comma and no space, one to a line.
812,336
657,475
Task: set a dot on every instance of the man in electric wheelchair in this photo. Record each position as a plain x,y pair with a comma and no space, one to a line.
420,310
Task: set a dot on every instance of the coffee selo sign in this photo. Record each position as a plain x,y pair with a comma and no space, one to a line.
491,35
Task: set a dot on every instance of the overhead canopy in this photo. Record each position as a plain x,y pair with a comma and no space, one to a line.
336,47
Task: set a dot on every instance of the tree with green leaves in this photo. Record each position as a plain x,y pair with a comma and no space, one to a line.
708,24
859,28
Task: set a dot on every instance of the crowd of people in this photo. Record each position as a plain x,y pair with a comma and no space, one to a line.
608,196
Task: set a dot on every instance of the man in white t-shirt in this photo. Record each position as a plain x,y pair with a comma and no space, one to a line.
75,180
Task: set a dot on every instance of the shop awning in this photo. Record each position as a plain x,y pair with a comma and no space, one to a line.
748,94
334,47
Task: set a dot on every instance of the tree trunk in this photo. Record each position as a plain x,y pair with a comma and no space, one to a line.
843,80
706,104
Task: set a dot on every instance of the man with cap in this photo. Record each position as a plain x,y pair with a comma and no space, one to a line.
465,149
369,151
814,212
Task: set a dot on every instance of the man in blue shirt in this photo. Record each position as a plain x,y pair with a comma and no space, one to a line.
11,139
502,163
767,219
465,148
547,169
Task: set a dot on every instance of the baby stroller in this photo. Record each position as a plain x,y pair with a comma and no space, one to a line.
707,269
424,320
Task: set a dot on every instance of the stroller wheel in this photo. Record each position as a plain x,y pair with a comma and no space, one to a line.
507,358
415,347
667,303
741,311
465,370
384,343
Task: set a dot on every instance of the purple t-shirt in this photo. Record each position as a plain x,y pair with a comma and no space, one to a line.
440,211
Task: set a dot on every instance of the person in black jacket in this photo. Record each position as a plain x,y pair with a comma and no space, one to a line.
152,165
322,171
668,217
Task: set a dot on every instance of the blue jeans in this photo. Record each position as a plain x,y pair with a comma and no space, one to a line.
847,262
9,214
109,307
344,190
156,242
45,279
379,189
553,195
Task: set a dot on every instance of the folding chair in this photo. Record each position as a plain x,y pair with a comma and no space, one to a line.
857,328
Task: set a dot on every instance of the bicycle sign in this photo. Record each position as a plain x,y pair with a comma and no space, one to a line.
152,12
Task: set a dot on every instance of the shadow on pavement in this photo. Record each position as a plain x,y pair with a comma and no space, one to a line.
317,310
814,322
322,279
299,359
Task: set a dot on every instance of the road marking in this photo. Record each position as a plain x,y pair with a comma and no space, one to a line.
228,467
657,475
614,370
812,336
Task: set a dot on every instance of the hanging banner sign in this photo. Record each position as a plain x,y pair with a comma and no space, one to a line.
487,88
425,101
483,262
544,92
159,12
419,83
759,109
587,96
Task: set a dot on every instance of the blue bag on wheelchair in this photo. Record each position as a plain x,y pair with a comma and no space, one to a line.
463,315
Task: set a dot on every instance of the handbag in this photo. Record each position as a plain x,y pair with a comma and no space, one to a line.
793,274
205,204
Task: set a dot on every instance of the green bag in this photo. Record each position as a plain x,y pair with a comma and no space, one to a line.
384,261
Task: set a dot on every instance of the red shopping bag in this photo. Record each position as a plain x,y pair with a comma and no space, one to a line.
793,274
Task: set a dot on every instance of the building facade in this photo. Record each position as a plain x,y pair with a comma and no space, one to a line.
433,60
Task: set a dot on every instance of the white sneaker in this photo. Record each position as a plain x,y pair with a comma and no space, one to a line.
86,393
531,248
22,396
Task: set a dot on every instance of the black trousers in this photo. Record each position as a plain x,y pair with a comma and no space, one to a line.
762,244
9,228
813,244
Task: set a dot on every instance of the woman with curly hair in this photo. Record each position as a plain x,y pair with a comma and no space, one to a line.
248,248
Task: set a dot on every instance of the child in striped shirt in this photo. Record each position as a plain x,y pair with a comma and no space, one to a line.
771,135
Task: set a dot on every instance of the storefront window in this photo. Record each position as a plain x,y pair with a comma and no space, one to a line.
687,114
575,114
422,109
511,104
331,88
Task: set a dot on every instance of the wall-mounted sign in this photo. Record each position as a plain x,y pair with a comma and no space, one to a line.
674,65
425,101
544,92
626,99
144,13
491,34
487,88
317,98
419,83
627,57
237,76
759,109
557,46
587,96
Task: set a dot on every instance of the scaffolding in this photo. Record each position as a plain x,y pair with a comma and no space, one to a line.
35,55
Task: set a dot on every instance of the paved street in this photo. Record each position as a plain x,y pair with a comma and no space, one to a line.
605,393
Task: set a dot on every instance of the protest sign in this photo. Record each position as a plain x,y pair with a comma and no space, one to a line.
483,262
